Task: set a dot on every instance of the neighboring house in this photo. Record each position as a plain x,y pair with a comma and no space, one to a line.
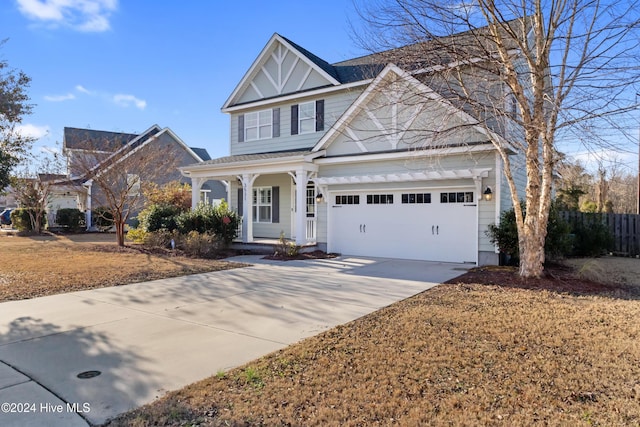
320,153
97,149
8,198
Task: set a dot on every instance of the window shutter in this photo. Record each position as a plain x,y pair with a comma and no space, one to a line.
294,119
276,122
275,204
240,205
320,114
241,128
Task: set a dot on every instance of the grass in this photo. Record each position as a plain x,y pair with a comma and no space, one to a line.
458,354
52,264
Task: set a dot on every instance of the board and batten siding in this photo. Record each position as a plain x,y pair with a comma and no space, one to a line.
335,105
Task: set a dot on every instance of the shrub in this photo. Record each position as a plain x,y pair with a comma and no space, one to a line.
71,218
557,244
201,245
225,223
200,219
286,249
137,235
161,238
102,218
21,219
159,217
591,235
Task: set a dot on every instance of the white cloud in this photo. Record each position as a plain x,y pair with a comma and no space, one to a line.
81,15
82,89
32,131
59,98
124,100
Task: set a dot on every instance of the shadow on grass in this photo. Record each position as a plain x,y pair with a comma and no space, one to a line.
54,357
556,278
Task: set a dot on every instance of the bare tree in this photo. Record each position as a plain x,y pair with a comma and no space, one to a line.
115,180
33,185
532,73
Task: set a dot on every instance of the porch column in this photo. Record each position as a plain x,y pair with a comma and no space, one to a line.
301,177
247,180
227,187
87,213
196,183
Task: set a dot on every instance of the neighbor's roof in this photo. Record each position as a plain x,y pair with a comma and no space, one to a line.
202,153
95,140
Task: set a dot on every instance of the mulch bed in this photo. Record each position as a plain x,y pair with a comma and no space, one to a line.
556,278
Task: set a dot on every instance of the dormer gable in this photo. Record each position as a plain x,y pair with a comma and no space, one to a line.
281,68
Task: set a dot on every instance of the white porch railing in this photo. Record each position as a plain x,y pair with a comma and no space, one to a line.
311,230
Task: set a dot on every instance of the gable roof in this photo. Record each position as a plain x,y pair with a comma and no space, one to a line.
323,68
95,140
353,110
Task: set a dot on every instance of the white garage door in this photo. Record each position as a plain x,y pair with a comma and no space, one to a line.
435,225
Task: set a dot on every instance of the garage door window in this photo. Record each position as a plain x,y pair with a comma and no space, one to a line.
348,200
411,198
379,199
459,197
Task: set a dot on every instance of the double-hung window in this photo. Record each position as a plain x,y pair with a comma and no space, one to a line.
307,117
262,204
258,125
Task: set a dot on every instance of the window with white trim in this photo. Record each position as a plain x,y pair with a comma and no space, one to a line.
258,125
133,184
262,204
311,200
307,117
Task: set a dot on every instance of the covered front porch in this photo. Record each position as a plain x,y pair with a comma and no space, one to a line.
274,193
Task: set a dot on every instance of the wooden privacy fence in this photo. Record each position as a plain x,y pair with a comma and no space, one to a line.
624,229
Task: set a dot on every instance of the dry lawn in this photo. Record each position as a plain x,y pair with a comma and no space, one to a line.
52,264
496,351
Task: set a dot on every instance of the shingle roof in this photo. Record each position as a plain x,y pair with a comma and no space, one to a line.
202,153
95,140
259,156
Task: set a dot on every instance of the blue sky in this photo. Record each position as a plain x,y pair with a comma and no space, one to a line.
126,65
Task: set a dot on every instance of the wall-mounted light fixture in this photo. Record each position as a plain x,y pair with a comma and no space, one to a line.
319,198
488,194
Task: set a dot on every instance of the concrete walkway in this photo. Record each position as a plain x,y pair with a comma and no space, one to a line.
146,339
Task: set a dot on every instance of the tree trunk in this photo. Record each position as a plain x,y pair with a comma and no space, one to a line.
532,252
120,233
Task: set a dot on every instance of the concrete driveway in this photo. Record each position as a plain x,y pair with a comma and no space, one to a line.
146,339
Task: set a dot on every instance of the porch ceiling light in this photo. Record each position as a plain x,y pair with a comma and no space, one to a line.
488,194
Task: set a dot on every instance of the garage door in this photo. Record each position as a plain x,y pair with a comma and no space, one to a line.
435,225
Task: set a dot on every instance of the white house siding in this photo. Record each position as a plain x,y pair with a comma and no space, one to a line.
334,105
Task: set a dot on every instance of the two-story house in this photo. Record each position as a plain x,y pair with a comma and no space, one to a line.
333,155
90,151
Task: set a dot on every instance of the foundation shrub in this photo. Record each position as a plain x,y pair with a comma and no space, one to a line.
70,218
21,219
559,241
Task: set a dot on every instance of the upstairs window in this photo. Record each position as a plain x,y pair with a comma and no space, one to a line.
257,125
307,117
